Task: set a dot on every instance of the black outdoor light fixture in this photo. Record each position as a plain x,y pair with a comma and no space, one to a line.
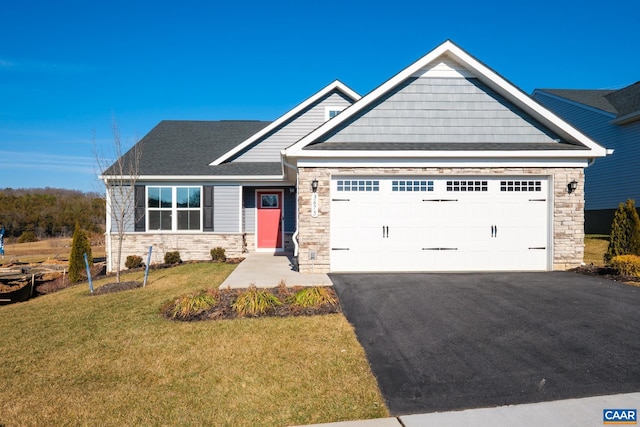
571,187
314,185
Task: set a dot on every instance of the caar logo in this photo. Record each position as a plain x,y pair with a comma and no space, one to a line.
620,416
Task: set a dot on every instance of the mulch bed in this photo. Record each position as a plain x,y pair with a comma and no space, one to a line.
606,273
226,297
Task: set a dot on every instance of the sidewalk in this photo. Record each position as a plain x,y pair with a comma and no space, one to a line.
267,270
561,413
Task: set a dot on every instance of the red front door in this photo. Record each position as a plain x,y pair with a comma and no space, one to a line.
269,219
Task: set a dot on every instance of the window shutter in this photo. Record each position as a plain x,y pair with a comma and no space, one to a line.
139,208
207,208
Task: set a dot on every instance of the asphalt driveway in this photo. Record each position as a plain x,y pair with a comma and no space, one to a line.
440,342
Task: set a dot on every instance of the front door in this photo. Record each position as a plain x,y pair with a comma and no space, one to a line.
269,222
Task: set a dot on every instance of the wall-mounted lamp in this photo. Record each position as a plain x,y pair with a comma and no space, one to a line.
314,185
571,187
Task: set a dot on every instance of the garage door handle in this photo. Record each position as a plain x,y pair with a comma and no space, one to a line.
537,200
439,200
439,249
340,200
385,232
494,231
538,247
339,249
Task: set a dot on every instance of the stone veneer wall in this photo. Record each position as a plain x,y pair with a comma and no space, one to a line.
567,224
192,247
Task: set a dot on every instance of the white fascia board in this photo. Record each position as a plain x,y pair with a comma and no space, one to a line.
335,85
206,178
481,71
446,163
438,154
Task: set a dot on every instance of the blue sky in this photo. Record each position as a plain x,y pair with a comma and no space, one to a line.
67,68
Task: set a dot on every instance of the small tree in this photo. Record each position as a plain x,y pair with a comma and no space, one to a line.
79,246
625,232
120,179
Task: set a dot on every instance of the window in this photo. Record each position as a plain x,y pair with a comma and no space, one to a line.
358,185
520,185
174,208
331,112
410,185
466,185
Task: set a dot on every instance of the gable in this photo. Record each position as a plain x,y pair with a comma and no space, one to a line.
268,148
434,109
446,104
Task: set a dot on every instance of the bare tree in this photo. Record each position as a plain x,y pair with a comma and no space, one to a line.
119,178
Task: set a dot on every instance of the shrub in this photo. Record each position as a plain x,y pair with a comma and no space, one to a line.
134,261
191,305
628,265
625,232
254,302
79,247
312,297
27,236
172,258
218,254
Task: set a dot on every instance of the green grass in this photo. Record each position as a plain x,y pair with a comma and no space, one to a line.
595,246
69,358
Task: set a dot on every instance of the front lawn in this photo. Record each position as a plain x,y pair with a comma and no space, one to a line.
595,246
69,358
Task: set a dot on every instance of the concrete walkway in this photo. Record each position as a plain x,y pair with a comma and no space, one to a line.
267,270
583,412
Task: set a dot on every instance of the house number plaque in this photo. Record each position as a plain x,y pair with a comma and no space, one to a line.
314,205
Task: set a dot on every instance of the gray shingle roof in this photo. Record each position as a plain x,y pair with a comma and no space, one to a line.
592,98
183,148
619,102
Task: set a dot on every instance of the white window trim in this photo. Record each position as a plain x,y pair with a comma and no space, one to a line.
174,209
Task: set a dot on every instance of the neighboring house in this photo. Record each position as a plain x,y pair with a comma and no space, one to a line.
444,167
612,118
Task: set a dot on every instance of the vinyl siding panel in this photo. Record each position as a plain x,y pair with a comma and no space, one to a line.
226,206
268,149
612,179
118,204
436,109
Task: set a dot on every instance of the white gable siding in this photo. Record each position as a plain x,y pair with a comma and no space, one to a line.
441,109
268,149
612,179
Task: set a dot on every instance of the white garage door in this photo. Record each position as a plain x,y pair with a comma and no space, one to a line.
439,224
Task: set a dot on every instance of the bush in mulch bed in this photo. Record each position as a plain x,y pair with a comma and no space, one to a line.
607,273
281,301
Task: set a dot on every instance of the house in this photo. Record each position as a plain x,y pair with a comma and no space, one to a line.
446,166
612,118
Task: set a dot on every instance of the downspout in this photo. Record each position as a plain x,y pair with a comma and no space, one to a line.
294,237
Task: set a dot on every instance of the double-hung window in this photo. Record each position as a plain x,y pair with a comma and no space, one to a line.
174,208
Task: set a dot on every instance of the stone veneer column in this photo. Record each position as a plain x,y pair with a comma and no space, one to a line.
567,219
313,234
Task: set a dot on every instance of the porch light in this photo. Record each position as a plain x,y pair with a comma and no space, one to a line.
571,187
314,185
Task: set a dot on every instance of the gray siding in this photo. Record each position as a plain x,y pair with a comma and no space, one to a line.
436,109
118,204
612,179
268,149
249,209
226,208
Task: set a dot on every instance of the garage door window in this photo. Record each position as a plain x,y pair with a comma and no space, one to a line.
520,186
412,185
466,185
358,185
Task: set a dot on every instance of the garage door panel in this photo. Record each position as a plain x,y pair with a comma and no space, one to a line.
463,224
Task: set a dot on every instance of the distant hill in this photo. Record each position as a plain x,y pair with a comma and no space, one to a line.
50,212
